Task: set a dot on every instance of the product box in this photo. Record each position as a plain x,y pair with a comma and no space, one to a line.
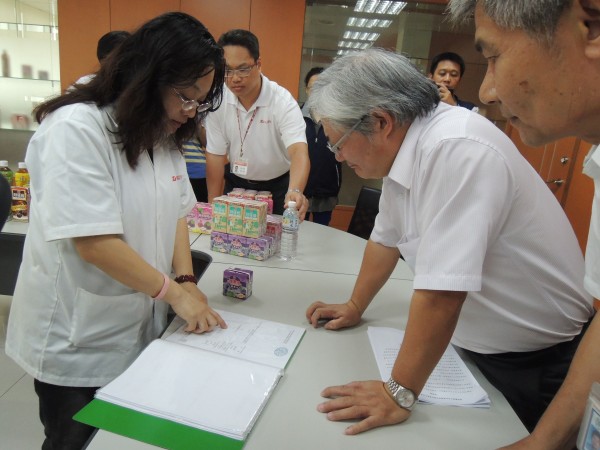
235,217
237,283
255,218
275,228
219,242
220,209
238,245
20,203
199,219
258,248
267,197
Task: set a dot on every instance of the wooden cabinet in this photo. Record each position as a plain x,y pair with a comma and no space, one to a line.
279,26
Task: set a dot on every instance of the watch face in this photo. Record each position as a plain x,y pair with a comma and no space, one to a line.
405,397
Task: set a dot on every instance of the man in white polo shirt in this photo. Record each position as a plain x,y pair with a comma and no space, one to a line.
259,130
497,268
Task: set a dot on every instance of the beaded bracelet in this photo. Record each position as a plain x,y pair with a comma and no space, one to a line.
164,288
186,278
295,190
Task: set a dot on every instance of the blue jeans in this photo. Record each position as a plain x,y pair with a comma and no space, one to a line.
58,405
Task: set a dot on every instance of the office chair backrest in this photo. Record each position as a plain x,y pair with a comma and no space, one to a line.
200,262
367,207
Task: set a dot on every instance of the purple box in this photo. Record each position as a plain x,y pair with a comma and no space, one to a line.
237,283
238,245
258,248
219,242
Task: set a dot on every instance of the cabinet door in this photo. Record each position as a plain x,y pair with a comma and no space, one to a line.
219,16
553,161
131,14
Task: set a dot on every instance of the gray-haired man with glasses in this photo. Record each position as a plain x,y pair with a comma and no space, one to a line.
497,268
259,130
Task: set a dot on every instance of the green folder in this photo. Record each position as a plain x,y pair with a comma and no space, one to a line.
152,430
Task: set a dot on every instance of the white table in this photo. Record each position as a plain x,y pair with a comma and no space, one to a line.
290,420
320,249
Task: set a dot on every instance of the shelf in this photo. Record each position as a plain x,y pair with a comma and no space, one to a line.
29,79
29,28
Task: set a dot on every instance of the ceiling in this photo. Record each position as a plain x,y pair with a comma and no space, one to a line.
326,22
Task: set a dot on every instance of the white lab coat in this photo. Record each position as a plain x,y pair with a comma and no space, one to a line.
70,323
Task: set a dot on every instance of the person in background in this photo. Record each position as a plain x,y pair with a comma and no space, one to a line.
5,200
106,44
109,199
325,177
258,128
195,160
523,42
446,71
473,221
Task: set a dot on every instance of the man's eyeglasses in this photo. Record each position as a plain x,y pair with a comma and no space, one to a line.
336,147
242,73
188,105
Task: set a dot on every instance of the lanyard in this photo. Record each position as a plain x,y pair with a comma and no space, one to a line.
243,139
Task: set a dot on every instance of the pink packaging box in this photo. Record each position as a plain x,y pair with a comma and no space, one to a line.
199,219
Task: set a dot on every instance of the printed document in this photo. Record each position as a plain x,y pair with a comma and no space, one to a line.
218,381
450,383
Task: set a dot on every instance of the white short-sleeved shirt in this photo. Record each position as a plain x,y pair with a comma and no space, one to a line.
277,123
592,252
70,323
469,213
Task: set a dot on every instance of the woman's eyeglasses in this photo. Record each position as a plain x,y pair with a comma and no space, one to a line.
188,105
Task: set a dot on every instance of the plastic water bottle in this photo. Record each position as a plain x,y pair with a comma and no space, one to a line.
289,234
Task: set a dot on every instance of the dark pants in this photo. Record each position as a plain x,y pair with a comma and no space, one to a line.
528,380
58,405
200,189
322,218
277,186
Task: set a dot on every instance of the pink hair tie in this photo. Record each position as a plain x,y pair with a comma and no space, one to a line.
164,289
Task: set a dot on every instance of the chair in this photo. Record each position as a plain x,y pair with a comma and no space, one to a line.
200,262
363,217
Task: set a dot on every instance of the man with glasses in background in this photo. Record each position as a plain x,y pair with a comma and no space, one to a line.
259,130
473,221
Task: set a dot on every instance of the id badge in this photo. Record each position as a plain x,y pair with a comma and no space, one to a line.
240,166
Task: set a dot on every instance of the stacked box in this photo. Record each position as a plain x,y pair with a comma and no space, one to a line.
219,242
20,203
238,245
235,217
220,210
274,229
255,218
259,248
199,219
237,283
267,197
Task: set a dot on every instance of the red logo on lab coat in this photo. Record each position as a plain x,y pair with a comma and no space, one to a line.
177,177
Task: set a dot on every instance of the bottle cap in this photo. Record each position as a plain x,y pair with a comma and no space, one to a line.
291,204
3,163
22,165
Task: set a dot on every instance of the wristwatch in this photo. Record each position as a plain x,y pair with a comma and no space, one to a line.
403,396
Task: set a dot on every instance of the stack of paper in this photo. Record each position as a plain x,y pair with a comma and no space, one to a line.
450,383
217,382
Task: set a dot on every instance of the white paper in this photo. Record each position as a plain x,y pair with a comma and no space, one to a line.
201,389
450,383
245,337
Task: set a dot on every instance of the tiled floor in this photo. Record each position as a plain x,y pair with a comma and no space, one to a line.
20,428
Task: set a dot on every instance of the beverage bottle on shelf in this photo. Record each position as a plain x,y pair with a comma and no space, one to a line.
6,172
5,64
22,176
289,234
